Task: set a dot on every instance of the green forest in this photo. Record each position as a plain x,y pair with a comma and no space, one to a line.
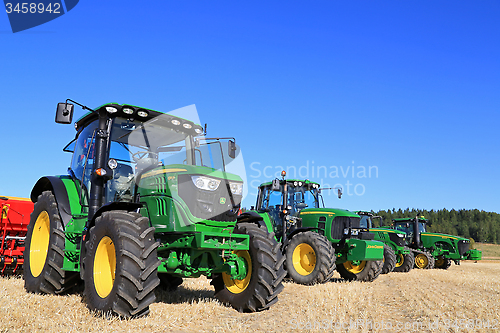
470,223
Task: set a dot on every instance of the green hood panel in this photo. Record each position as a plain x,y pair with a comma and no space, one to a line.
326,211
442,236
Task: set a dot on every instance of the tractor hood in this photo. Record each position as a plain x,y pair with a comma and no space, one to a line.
326,211
430,234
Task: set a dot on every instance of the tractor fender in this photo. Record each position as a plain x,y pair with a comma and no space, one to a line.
251,217
297,231
128,206
57,187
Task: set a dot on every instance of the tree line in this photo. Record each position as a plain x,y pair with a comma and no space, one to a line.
469,223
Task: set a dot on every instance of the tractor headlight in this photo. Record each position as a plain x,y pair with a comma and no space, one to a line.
354,232
205,183
128,111
346,231
401,235
112,163
142,114
111,109
236,188
186,126
175,122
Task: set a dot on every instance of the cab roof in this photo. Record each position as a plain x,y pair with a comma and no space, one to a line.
291,181
149,114
408,219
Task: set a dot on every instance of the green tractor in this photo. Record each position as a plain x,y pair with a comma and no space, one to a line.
147,201
397,256
315,240
432,250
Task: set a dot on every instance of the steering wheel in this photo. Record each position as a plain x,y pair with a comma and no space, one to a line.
142,154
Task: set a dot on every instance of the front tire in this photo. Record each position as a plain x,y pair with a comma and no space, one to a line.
310,258
389,259
442,263
404,262
121,265
260,288
44,252
366,271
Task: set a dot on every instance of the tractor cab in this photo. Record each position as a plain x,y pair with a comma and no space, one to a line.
285,199
151,153
367,219
413,229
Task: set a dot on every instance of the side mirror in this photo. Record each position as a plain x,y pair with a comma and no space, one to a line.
64,113
339,193
276,185
232,149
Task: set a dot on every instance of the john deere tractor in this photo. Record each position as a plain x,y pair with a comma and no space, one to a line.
316,240
397,256
434,250
147,200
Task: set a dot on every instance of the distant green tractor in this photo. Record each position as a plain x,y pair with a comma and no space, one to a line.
316,240
397,256
147,200
434,250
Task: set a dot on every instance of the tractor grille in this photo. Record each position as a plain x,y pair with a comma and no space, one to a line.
400,241
209,205
463,246
340,223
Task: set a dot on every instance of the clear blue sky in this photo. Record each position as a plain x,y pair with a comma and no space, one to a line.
409,88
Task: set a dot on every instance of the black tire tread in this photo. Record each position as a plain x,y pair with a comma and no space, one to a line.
53,279
372,270
389,259
325,258
409,261
137,263
268,272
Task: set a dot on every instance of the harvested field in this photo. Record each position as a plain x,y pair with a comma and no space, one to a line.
423,300
490,251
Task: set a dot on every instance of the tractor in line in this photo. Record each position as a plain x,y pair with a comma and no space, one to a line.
315,240
147,200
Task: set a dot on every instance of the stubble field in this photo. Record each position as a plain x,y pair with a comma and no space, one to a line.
421,300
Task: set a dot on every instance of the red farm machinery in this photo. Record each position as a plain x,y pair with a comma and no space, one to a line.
14,220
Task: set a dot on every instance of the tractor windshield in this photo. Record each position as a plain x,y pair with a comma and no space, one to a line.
365,222
421,227
298,197
144,144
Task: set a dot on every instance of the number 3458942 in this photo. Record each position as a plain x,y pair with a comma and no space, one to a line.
33,8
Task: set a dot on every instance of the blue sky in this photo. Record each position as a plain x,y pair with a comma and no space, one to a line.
410,89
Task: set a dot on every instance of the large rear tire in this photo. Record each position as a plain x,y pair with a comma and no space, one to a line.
121,265
389,259
404,262
442,263
366,271
260,288
310,258
44,252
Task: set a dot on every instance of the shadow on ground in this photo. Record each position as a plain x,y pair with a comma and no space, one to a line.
183,295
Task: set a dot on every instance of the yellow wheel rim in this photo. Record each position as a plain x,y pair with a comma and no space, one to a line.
104,267
304,259
238,286
355,269
421,260
39,245
439,262
401,260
